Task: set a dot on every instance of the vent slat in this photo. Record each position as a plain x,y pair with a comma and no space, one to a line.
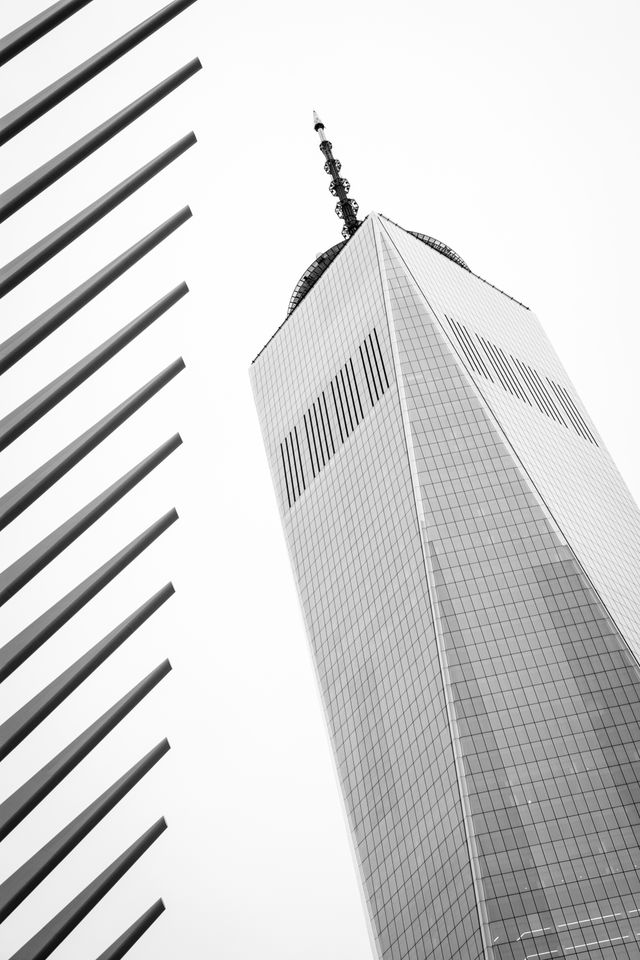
132,934
366,375
27,797
27,877
34,183
59,928
25,643
33,333
371,373
355,383
295,430
346,401
26,34
20,118
384,369
517,378
30,260
322,438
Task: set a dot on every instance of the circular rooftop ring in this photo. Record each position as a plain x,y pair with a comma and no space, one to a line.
441,248
312,274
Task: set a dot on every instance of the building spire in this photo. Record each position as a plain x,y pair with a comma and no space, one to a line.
346,207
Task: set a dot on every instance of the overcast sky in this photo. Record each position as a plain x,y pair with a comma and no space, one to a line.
507,130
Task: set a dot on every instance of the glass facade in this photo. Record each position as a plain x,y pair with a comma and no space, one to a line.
476,651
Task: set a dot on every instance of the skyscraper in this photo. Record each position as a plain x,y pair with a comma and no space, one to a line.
467,558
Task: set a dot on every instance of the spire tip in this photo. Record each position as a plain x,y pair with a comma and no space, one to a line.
346,206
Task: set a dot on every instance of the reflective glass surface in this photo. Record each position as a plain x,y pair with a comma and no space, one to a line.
544,691
580,484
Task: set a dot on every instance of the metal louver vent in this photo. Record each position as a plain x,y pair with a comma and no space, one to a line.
332,417
519,379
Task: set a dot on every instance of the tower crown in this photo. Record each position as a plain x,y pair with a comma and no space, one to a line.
347,209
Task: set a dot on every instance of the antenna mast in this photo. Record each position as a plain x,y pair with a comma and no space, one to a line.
346,207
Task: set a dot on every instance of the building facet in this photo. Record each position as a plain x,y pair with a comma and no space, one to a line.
467,560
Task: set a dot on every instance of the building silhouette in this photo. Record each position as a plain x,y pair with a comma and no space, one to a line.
467,558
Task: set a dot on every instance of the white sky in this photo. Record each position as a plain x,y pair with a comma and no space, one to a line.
507,130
